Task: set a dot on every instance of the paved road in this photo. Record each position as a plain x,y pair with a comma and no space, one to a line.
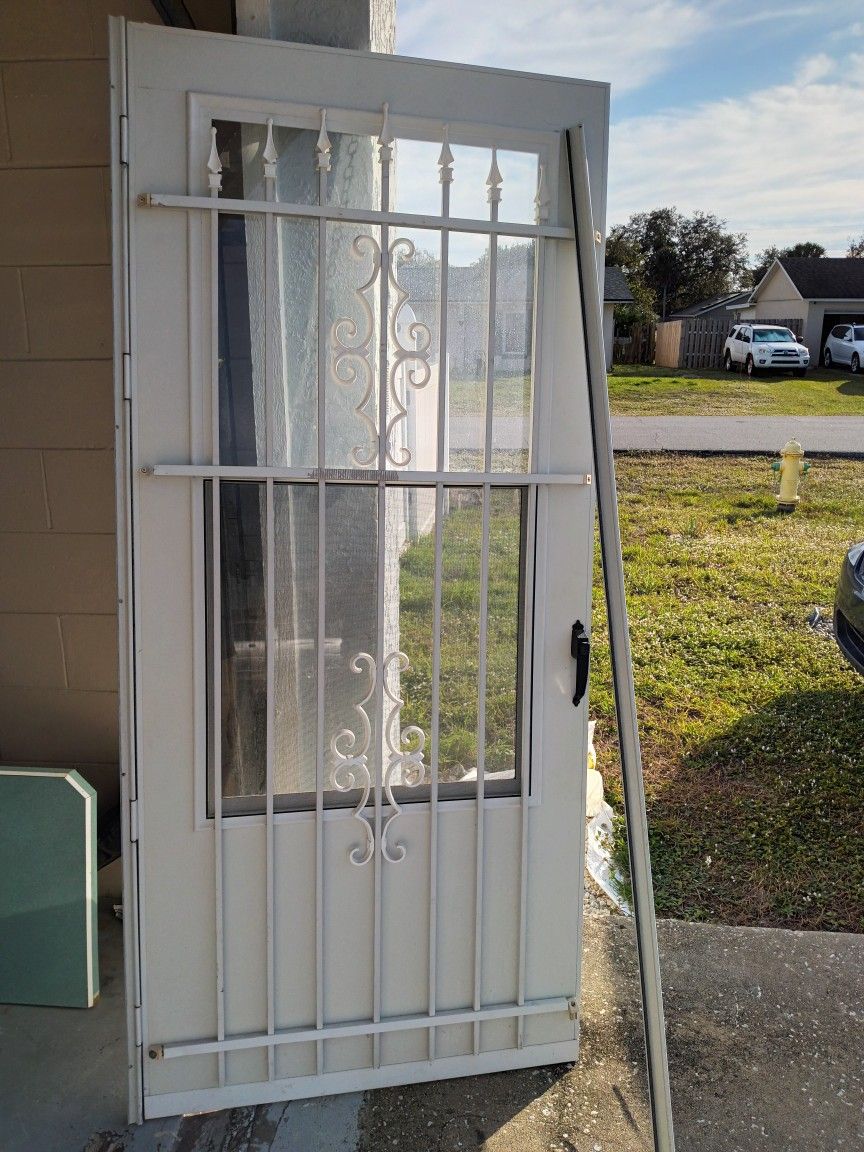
835,435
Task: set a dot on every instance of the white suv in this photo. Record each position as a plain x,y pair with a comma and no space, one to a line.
762,347
845,345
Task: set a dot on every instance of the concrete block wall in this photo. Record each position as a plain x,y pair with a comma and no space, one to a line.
58,643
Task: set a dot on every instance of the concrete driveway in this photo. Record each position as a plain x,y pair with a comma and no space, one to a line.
824,435
765,1027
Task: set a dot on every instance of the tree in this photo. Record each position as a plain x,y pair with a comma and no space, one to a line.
856,248
767,257
672,260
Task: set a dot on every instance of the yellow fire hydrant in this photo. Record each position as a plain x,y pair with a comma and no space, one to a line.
791,466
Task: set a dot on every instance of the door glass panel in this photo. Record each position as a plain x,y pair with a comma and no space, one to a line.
514,328
413,349
467,336
504,627
260,337
294,349
353,309
353,664
242,679
295,637
241,357
351,627
241,150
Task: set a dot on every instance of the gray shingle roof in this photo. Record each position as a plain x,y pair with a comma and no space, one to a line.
615,288
826,278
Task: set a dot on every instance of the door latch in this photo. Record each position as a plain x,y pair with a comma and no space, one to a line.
580,650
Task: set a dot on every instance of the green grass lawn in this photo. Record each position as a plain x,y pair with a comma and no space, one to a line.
752,724
640,390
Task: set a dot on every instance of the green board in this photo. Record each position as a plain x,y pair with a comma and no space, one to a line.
48,930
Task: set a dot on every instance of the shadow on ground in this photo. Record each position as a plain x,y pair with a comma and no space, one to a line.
761,825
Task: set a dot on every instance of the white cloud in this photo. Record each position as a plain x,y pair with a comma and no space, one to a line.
778,164
627,43
814,68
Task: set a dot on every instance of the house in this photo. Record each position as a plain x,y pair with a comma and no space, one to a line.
820,291
615,291
720,305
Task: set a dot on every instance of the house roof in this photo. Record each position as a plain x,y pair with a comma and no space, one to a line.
615,287
726,299
824,277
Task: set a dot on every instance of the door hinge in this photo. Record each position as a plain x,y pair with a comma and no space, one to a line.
133,821
573,1008
124,138
138,1028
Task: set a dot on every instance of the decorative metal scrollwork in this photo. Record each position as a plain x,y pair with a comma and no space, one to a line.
417,376
351,360
405,747
352,349
351,767
403,752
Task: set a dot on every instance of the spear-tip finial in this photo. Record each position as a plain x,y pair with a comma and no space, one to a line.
270,153
445,158
214,164
385,138
323,145
541,200
494,180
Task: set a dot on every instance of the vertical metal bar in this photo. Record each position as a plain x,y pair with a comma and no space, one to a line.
381,655
490,342
270,640
529,494
216,639
442,463
270,288
321,628
434,760
619,643
529,630
481,765
269,304
435,723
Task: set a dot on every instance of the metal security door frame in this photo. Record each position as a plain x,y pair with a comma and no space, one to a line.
138,471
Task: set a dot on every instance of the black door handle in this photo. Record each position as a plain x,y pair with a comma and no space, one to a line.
580,650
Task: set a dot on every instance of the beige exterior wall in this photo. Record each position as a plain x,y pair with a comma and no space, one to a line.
58,643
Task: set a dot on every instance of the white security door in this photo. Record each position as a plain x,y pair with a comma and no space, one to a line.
357,513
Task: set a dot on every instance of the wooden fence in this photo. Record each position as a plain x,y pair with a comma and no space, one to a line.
638,347
695,342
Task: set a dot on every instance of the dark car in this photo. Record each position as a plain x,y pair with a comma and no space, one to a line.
849,608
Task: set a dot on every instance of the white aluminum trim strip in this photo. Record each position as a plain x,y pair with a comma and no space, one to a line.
360,1079
321,632
434,760
352,215
481,766
307,475
270,617
366,1027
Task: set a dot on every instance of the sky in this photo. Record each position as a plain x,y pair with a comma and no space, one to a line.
748,109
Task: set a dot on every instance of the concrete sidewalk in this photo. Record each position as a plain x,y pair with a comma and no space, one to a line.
825,435
766,1036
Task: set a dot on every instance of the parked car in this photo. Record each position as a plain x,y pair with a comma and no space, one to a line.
849,608
764,347
845,345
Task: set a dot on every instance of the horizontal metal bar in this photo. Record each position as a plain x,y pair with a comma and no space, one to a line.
366,1028
361,476
352,215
